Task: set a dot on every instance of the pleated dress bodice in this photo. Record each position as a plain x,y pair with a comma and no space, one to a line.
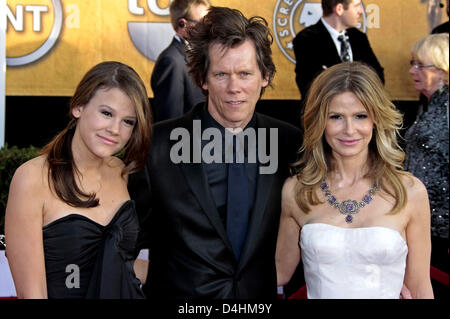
84,259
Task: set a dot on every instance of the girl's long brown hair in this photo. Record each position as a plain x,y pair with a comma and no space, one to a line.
62,169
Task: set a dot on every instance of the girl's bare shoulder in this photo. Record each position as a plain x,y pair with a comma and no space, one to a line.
32,173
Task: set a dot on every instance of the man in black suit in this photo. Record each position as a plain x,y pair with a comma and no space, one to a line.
444,27
174,91
212,183
318,47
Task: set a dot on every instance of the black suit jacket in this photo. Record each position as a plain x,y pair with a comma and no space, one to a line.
442,28
174,90
190,254
314,47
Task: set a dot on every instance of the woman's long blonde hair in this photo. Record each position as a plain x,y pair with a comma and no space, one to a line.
385,155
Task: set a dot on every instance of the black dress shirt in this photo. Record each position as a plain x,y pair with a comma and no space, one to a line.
217,173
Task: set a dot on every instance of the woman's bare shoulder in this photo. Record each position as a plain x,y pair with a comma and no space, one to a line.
31,173
289,186
288,197
28,188
418,203
414,187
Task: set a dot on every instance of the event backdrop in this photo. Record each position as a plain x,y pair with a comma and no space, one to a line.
50,44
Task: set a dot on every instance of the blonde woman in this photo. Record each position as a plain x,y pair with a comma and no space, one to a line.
356,219
427,140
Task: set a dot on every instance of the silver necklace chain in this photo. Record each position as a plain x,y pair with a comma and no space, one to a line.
348,207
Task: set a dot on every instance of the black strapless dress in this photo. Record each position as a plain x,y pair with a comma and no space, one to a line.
84,259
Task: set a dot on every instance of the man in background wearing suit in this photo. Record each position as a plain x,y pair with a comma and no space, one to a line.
213,200
444,27
332,40
173,89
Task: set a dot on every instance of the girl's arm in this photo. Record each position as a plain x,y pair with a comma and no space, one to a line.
23,232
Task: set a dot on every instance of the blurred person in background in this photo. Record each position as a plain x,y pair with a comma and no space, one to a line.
427,140
174,90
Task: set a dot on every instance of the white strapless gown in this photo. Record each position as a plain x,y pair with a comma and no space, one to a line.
352,263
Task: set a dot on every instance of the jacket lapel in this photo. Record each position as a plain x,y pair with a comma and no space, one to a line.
354,43
263,188
330,53
180,48
198,182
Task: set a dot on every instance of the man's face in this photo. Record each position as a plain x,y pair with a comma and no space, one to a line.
352,14
234,82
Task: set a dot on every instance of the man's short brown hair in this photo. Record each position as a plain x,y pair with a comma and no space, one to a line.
230,28
329,5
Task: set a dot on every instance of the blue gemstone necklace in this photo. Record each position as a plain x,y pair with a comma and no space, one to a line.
348,207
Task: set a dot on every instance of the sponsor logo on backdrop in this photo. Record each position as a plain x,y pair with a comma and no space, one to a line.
16,16
292,16
150,38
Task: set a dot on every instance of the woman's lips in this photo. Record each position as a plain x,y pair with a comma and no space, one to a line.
107,140
349,142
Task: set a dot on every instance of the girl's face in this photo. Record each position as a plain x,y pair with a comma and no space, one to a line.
106,122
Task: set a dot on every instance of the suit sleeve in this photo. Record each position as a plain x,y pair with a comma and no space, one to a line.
140,191
369,57
168,88
307,65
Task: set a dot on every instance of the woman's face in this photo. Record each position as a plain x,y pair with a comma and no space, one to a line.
106,122
427,78
349,127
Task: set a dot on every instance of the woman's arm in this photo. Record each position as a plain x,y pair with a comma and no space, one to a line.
417,276
141,269
23,232
287,254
